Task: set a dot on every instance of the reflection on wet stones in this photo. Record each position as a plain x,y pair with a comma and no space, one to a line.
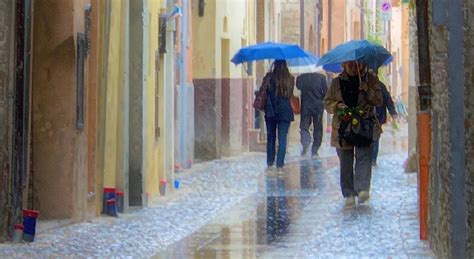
299,214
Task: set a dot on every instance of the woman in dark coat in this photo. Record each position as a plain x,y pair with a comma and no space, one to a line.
278,112
353,88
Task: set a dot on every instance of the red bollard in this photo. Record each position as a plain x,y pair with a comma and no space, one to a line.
163,187
29,223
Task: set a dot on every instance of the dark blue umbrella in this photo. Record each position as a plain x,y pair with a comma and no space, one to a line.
337,68
365,51
272,50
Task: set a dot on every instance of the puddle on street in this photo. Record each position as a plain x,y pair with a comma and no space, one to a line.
269,219
260,222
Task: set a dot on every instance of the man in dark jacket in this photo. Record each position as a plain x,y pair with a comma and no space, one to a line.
381,113
313,87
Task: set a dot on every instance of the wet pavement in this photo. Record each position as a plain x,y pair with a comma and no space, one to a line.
300,214
235,208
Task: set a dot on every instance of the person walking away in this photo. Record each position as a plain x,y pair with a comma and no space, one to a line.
381,113
313,87
353,89
278,112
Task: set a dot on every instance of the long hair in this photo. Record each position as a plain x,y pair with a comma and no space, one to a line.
282,78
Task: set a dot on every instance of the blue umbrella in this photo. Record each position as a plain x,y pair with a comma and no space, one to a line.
308,60
272,50
337,68
361,50
304,64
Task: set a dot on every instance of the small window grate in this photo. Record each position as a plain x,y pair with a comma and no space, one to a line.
80,58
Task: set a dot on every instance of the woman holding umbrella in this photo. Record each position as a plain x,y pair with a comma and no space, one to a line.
278,112
278,84
351,99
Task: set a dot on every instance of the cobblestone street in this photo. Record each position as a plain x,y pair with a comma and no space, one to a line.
235,208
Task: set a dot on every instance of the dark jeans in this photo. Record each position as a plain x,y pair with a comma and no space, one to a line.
317,120
272,127
375,150
353,181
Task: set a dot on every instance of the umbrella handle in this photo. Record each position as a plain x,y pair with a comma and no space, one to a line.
358,71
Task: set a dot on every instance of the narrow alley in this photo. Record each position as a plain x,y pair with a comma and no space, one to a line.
235,208
236,129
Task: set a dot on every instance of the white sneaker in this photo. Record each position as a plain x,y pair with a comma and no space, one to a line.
363,196
280,171
350,202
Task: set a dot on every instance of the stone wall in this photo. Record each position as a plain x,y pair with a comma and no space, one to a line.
444,214
6,105
469,104
440,180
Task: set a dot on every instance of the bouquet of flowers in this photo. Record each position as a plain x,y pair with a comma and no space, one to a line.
352,114
354,128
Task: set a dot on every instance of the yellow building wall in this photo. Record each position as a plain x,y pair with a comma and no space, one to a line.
204,42
152,146
110,119
229,20
100,165
113,94
231,25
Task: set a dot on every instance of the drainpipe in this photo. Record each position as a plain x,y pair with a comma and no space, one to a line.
21,119
424,113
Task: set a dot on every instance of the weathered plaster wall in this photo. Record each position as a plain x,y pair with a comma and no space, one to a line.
136,103
204,44
59,151
232,116
291,28
310,28
6,105
290,21
219,97
338,22
207,94
235,15
92,108
440,180
153,147
233,26
207,118
112,99
451,182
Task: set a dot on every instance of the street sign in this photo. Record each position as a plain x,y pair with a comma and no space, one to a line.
386,10
386,6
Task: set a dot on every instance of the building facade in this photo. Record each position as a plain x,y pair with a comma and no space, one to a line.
223,91
90,106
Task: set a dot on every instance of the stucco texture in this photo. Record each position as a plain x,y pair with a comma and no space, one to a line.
56,147
6,105
441,173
